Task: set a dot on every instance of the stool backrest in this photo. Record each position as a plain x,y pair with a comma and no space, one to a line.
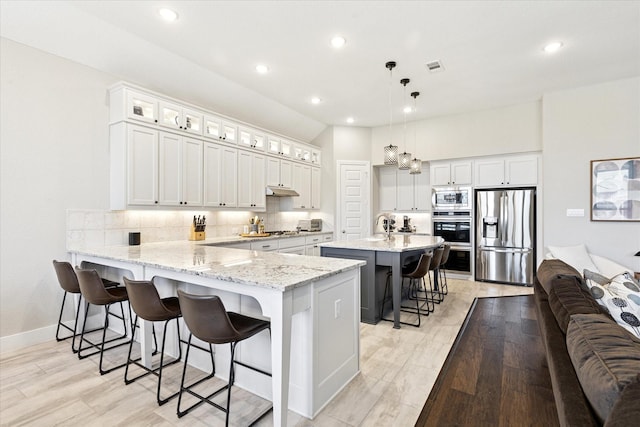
92,288
422,268
66,276
445,254
437,257
207,318
146,302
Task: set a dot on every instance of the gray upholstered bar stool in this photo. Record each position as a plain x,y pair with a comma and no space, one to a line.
415,273
147,304
435,295
69,283
96,294
209,321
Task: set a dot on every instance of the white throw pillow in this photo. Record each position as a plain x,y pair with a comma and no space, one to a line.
621,298
576,256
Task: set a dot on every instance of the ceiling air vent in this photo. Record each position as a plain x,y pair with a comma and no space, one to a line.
435,66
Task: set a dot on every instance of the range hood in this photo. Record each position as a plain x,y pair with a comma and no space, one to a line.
281,192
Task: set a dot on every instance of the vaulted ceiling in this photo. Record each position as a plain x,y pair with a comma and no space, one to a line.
492,52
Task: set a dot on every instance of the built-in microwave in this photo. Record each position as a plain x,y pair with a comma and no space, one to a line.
451,198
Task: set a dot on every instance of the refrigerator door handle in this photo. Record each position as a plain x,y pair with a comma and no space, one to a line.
501,219
505,250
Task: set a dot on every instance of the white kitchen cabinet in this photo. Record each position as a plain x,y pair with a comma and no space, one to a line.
220,129
512,171
220,173
301,152
279,173
316,188
292,245
180,176
175,116
268,245
142,165
251,138
279,147
141,107
452,173
413,191
316,156
388,183
301,182
251,180
312,242
401,191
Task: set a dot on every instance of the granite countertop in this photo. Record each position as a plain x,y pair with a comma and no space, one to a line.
265,269
398,243
213,241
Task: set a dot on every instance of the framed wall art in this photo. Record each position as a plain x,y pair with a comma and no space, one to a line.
615,189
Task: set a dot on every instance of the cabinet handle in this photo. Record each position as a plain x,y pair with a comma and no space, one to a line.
266,246
156,202
185,203
180,202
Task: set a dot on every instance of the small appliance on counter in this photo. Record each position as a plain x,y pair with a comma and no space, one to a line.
310,224
406,225
197,228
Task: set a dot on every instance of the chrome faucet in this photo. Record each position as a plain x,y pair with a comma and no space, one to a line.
388,217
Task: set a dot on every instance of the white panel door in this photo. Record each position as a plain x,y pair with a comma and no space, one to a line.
192,175
354,188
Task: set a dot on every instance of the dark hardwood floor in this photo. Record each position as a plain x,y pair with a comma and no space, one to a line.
496,372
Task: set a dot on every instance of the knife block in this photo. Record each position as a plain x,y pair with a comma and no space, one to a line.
196,235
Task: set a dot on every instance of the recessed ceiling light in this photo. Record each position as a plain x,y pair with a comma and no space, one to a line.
338,42
408,109
262,69
315,100
553,47
168,14
350,120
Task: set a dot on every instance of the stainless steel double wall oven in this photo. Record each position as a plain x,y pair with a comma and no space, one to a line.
452,221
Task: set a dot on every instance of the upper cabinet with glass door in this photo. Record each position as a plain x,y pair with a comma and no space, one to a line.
142,107
176,116
220,129
280,147
251,138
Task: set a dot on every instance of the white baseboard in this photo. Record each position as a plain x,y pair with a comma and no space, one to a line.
41,335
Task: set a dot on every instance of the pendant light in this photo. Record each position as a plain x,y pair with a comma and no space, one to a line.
390,151
404,159
416,164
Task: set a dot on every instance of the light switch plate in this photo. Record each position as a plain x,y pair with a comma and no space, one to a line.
575,212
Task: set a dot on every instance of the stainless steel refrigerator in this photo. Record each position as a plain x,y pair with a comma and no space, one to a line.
505,235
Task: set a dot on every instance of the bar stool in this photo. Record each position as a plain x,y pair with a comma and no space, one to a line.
435,295
95,293
208,320
69,283
416,276
442,271
147,304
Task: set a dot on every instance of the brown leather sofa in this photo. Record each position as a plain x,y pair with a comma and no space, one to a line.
594,363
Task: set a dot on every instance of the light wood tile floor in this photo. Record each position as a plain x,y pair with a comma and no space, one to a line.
46,385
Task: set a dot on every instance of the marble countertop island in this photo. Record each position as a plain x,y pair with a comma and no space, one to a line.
264,269
398,243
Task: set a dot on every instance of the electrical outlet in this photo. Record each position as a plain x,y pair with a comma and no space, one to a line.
575,212
337,308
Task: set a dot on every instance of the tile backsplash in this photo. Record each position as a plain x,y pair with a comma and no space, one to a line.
90,228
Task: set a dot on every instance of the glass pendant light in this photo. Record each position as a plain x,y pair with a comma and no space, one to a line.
390,151
416,164
404,159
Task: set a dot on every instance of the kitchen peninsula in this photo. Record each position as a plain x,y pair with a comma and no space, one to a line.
380,253
312,303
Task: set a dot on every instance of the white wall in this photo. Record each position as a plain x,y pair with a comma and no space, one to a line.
513,129
580,125
54,149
